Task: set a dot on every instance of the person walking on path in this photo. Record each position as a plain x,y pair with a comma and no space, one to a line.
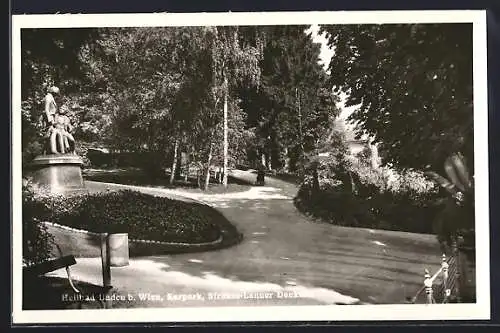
261,172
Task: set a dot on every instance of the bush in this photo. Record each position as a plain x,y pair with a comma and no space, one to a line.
140,215
354,194
81,150
37,241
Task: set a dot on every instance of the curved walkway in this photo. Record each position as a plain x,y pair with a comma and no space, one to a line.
283,253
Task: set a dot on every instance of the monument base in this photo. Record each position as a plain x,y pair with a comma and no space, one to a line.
58,174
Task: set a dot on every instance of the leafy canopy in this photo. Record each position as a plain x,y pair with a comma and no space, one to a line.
413,85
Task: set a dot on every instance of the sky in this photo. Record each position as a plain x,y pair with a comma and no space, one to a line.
325,55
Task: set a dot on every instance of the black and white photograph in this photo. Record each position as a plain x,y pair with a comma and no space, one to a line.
250,167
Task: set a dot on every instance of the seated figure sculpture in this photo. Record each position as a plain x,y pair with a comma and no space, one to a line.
59,134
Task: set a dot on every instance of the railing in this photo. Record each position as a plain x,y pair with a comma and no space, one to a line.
443,285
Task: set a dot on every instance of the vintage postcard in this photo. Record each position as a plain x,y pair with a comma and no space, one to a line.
273,166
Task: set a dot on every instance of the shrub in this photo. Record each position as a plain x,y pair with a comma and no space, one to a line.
140,215
351,193
81,150
37,241
32,150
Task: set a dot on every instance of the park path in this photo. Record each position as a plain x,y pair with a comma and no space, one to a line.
282,251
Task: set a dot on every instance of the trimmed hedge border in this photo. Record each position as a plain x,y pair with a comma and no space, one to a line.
82,239
82,231
141,215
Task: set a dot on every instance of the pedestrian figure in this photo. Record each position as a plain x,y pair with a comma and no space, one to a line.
260,176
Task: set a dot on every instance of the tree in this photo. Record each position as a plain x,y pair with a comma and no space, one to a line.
413,85
167,86
234,61
293,106
182,91
152,86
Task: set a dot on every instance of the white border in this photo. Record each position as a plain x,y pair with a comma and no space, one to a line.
480,310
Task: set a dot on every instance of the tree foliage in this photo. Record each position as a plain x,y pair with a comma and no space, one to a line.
292,107
413,85
163,90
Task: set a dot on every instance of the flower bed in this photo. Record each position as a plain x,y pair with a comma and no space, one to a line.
140,215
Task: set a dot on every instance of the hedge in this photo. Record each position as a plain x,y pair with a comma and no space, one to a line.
347,192
140,215
37,241
386,210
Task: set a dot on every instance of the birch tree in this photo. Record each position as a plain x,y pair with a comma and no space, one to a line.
235,61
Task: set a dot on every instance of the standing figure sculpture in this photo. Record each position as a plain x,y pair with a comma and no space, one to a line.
59,135
50,104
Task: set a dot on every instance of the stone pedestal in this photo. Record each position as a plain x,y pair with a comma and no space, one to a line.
59,174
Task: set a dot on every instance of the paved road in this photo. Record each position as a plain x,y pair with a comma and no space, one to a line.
283,251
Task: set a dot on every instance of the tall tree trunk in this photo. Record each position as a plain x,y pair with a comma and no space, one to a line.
224,179
174,162
199,167
269,161
287,160
207,168
186,172
301,136
179,165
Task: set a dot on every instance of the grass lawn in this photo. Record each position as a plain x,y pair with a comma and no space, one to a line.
135,176
287,177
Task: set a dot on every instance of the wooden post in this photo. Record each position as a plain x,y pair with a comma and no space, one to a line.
428,287
106,268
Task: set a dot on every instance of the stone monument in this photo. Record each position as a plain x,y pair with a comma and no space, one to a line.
59,169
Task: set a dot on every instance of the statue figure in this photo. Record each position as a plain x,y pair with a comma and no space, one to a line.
60,139
50,104
60,134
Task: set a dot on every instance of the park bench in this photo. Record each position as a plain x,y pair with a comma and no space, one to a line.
117,259
35,271
64,261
